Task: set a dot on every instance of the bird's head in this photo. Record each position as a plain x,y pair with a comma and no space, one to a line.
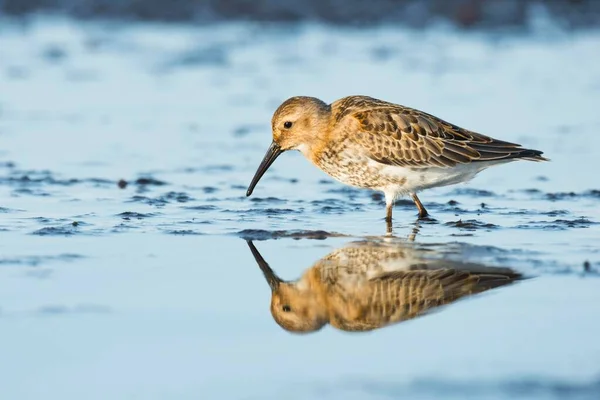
296,125
297,309
295,306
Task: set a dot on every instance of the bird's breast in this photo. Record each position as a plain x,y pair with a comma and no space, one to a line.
353,168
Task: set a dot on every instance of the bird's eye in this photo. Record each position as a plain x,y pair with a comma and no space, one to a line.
287,124
286,308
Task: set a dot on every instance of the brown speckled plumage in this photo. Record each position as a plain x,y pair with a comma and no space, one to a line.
370,143
369,285
397,135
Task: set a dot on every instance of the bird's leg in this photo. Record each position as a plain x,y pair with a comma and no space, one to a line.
388,217
422,211
389,204
413,234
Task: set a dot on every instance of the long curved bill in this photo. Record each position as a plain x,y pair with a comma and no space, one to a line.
272,279
273,152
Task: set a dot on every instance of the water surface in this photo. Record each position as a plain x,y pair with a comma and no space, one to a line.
125,154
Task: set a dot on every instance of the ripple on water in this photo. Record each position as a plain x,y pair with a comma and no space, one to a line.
179,197
149,181
559,224
204,207
471,192
270,200
261,234
56,309
156,202
131,214
5,210
183,232
34,261
558,196
519,388
267,211
471,225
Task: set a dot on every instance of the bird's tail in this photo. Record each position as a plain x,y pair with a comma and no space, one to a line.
531,155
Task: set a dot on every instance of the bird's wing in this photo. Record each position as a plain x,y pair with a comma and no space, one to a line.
397,296
401,136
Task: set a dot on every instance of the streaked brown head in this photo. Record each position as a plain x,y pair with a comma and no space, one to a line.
297,309
296,124
294,305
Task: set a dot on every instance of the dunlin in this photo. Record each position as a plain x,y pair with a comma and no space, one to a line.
366,286
369,143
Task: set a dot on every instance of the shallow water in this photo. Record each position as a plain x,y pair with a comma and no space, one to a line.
147,288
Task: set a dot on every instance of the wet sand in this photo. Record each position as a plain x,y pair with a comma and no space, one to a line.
125,154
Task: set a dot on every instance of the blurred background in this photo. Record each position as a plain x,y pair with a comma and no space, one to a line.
415,13
130,130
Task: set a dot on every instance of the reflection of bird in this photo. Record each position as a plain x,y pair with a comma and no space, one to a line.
369,143
368,286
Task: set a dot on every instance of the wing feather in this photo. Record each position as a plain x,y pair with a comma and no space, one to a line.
397,135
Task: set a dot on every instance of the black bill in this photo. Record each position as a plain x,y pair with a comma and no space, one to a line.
272,279
272,153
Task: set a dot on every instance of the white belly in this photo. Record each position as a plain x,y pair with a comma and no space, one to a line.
360,171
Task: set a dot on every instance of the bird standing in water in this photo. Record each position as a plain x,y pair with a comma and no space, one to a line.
369,143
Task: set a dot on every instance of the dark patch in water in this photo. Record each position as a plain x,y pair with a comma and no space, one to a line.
54,53
216,168
158,202
98,182
559,224
201,208
244,130
334,206
149,181
269,211
32,192
325,182
34,261
261,234
332,210
122,184
213,54
378,197
477,389
272,200
38,177
593,193
472,192
589,269
555,213
183,232
123,227
27,179
7,164
79,309
56,231
209,189
560,196
531,191
132,214
382,53
180,197
471,225
4,210
345,190
405,203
